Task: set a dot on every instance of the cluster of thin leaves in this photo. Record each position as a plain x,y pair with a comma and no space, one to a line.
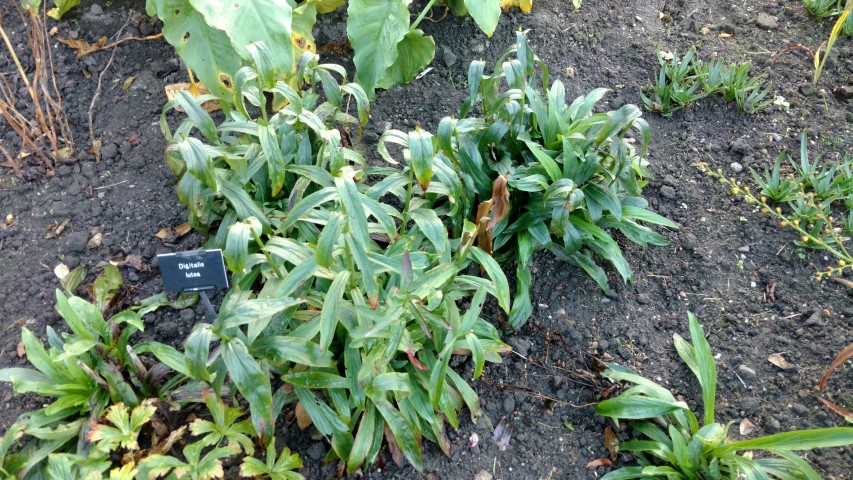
343,304
537,172
683,81
816,201
676,446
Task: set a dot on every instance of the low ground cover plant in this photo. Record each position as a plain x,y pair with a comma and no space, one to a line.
675,445
538,171
343,305
681,81
89,371
816,202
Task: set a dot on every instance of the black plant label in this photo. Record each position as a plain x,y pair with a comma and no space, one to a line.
193,271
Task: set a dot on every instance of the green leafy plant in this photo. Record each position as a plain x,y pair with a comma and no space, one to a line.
683,81
276,467
347,300
86,370
250,164
196,466
125,427
677,86
817,203
537,172
822,8
225,425
675,446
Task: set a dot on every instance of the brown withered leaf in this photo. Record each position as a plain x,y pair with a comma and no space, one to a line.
135,261
778,360
163,233
182,229
838,409
396,454
610,442
82,47
484,233
842,357
127,83
196,89
21,350
302,418
725,35
599,462
500,201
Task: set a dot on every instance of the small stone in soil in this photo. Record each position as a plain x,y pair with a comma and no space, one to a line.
746,371
643,299
77,242
766,22
316,451
509,405
744,249
772,425
667,192
736,167
109,151
799,408
520,345
187,315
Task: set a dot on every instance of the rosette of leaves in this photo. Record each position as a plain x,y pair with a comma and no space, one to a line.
542,173
357,316
258,159
675,445
85,370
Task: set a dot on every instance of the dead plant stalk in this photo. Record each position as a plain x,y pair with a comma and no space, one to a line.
47,128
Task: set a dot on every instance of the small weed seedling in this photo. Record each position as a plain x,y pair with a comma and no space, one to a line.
677,446
683,81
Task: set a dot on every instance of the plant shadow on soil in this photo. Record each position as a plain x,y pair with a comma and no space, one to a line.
750,286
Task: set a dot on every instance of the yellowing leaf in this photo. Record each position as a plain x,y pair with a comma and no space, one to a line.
328,6
82,47
196,89
725,35
524,5
127,83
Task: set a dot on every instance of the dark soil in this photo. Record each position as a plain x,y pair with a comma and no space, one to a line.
750,286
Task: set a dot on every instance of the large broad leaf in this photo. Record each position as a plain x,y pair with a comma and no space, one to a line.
374,28
249,21
414,53
206,50
486,13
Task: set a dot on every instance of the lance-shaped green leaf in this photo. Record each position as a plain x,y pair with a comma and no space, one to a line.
252,382
199,163
293,349
496,274
248,311
332,308
422,151
374,28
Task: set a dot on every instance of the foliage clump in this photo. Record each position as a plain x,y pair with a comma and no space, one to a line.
538,172
681,81
675,445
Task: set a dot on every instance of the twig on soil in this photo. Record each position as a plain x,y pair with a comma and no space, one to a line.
85,52
843,281
96,146
104,187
